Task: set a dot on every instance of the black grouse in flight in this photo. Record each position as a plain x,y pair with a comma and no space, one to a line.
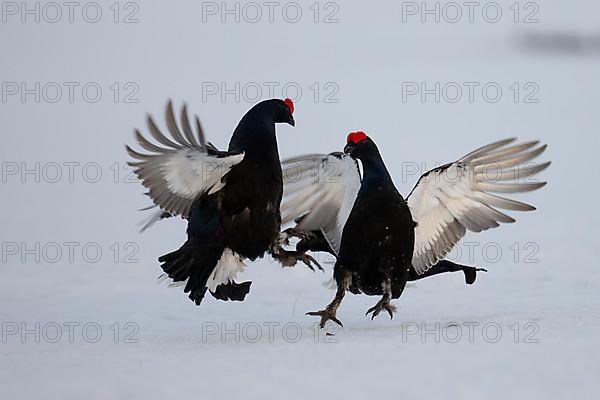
382,240
230,198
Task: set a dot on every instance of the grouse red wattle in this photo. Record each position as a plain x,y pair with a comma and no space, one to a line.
381,240
230,198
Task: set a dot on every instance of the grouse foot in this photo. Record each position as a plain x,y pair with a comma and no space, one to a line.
383,304
297,233
289,258
327,314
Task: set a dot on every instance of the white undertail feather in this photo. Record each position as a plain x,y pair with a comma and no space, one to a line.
226,270
229,265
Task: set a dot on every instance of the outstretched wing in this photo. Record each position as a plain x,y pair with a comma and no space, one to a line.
183,168
318,192
458,196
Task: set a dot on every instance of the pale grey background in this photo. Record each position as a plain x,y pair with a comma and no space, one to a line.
367,54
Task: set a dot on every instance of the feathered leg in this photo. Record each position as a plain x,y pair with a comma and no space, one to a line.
329,313
289,258
384,303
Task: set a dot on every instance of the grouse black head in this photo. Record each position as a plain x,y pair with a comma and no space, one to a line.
359,145
268,112
283,110
256,129
286,114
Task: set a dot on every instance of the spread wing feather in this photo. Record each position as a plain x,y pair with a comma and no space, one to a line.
318,192
183,168
456,197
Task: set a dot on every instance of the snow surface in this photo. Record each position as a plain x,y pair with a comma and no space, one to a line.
552,302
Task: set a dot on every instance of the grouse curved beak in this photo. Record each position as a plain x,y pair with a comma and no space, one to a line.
291,121
348,148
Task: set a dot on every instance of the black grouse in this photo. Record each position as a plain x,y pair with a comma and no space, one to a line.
230,198
382,240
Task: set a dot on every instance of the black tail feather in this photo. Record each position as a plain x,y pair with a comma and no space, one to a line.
194,262
447,266
232,291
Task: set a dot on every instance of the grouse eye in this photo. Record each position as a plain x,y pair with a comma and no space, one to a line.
356,137
290,105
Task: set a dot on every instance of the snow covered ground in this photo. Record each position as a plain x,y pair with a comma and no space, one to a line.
82,314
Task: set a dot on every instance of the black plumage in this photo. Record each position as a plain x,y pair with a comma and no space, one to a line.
231,199
378,237
381,240
315,241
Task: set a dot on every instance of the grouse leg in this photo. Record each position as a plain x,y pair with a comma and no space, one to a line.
297,233
329,313
384,303
289,258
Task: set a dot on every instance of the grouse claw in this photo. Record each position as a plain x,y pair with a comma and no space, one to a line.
293,232
326,315
309,260
289,258
382,305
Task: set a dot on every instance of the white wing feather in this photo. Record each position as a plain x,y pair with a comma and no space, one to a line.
185,168
321,190
456,197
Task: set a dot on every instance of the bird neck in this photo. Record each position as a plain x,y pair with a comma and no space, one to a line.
375,173
254,134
